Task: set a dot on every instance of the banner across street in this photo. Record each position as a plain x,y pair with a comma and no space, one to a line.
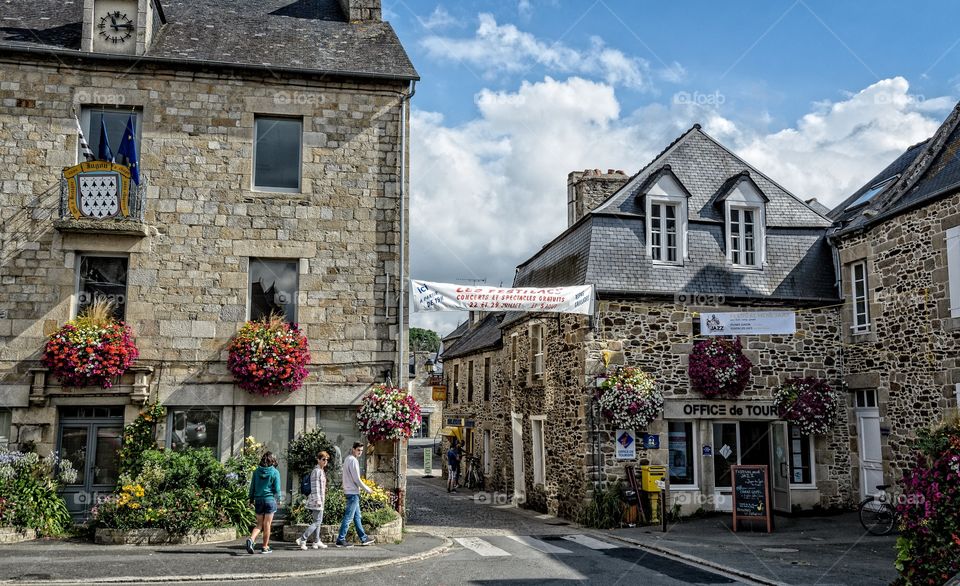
428,296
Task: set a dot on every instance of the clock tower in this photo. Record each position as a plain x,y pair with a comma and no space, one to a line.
123,27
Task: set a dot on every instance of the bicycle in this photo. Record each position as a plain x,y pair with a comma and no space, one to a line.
474,478
878,516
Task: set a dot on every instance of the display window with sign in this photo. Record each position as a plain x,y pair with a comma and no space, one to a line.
194,427
681,455
801,458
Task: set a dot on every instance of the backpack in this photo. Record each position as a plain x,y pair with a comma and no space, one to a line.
305,486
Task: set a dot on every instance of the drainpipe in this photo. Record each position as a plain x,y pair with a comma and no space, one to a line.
401,290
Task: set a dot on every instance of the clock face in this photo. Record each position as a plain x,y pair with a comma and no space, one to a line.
116,27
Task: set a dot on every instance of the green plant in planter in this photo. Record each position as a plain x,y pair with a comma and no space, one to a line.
605,511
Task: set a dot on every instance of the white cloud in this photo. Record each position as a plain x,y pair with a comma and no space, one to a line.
497,48
525,8
438,19
487,194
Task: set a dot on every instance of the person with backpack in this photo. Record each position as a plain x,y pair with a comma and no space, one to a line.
315,488
454,455
264,495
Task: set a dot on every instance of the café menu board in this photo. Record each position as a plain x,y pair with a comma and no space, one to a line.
751,495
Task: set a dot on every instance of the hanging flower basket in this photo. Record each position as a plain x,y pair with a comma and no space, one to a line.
269,357
630,399
718,368
388,413
92,350
808,403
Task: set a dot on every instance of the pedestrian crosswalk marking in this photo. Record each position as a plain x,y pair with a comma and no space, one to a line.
590,542
481,547
538,545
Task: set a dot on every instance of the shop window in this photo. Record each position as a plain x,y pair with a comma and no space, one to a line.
6,427
859,291
536,351
274,429
339,424
539,450
801,457
953,269
486,379
194,427
681,454
273,289
470,382
456,384
102,278
277,154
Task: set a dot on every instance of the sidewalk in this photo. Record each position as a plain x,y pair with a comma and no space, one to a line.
808,550
49,561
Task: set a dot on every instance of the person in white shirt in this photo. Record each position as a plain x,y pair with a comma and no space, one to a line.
352,485
318,493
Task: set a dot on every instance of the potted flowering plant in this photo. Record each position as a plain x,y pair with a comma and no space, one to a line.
269,357
808,403
388,413
92,350
630,398
718,368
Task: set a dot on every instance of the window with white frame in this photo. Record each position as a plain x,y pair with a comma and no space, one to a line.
743,236
456,383
953,269
99,120
514,355
801,457
277,148
537,423
273,288
859,290
6,427
666,211
486,379
536,351
682,454
487,452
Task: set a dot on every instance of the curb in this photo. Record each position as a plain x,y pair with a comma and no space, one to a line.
438,550
657,549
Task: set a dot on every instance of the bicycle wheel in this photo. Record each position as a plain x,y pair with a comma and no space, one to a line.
877,518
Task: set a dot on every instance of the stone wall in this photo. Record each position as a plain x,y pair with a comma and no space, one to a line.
910,356
188,279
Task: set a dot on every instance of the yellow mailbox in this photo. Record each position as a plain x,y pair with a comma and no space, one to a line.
649,475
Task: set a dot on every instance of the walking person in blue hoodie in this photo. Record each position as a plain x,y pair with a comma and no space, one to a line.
264,495
352,485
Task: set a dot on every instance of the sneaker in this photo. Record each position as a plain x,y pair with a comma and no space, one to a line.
266,550
368,541
319,545
344,544
249,545
302,543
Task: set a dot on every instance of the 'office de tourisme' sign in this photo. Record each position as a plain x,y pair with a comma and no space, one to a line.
429,296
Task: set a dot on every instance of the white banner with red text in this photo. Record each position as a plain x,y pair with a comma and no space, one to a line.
429,296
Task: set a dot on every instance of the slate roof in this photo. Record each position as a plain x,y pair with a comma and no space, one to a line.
704,167
483,335
307,35
927,171
607,247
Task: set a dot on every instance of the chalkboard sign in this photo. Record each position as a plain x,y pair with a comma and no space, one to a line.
751,494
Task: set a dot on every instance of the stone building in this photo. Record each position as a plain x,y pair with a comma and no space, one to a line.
696,230
272,139
898,243
426,372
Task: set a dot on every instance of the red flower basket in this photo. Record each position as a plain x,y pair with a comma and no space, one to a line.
718,368
90,353
269,357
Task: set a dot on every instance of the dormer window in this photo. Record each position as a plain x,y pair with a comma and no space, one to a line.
665,202
744,221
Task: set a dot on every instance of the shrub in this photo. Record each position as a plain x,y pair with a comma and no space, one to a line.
302,453
928,549
29,492
188,490
140,436
605,511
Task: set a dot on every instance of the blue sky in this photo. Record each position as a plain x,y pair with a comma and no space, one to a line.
517,93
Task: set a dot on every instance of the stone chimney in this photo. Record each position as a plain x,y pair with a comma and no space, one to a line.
588,189
362,10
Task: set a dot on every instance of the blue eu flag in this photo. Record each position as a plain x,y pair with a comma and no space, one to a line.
127,153
104,152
